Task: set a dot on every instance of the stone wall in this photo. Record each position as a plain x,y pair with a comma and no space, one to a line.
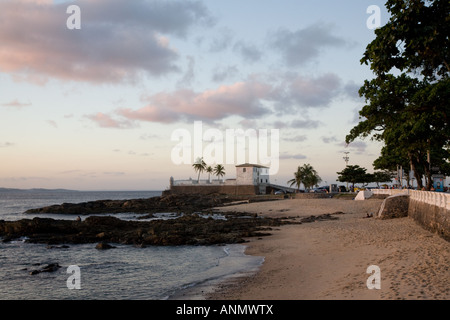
211,189
245,175
432,211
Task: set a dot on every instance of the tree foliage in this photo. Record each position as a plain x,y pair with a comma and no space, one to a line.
409,111
199,166
356,174
219,171
414,40
307,175
353,174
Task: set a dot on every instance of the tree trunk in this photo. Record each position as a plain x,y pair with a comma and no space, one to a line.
416,173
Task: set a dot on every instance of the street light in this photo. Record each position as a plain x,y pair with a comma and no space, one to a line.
346,159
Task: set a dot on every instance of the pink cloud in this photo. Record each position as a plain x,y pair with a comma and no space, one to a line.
15,104
106,121
119,41
243,99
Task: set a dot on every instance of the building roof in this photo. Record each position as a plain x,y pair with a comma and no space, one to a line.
251,165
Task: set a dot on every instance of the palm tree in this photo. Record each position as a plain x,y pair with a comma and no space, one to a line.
210,170
298,178
311,178
307,175
219,171
199,166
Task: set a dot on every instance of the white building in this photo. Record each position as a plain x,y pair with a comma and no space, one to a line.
252,174
251,179
246,175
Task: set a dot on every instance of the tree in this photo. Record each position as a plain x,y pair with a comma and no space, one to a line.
414,39
353,174
199,166
409,112
312,178
307,175
298,178
209,169
390,159
382,176
219,171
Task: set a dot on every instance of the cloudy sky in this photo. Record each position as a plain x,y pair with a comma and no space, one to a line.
95,108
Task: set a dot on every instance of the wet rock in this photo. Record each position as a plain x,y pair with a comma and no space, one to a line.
52,267
57,247
103,246
7,239
100,235
322,217
167,203
189,229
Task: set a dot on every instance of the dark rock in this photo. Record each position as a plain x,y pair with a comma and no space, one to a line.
322,217
57,247
48,268
395,206
189,229
51,267
103,246
166,203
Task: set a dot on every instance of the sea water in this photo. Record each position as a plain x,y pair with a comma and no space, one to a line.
125,272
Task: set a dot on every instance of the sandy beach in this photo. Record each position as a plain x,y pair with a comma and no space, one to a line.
329,259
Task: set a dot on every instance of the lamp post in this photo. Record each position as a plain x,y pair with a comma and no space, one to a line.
346,159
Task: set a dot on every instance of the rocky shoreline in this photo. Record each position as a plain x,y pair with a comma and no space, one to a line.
194,225
165,203
190,229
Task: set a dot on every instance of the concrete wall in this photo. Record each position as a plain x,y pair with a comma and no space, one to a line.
430,209
390,192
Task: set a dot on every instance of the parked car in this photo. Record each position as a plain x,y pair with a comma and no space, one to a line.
279,192
321,189
342,189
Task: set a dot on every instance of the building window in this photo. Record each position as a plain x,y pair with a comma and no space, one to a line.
244,170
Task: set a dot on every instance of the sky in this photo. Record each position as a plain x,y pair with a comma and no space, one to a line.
99,107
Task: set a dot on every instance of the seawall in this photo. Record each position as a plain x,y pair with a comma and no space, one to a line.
215,189
432,211
429,209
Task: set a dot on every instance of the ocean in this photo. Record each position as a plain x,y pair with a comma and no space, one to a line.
123,273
